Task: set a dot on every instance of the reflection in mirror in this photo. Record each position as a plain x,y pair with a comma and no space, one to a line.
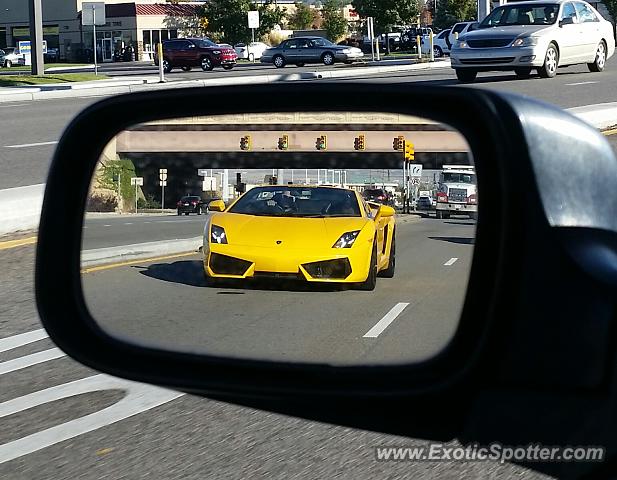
339,238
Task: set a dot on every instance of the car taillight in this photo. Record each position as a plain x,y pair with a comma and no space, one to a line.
381,197
442,197
193,203
471,198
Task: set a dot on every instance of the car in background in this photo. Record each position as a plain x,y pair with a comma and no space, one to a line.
187,53
191,204
252,51
459,29
302,50
532,35
377,195
424,202
440,46
9,56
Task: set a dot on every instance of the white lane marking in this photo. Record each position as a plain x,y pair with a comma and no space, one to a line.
9,343
450,262
139,398
107,225
579,83
128,223
29,360
26,145
387,319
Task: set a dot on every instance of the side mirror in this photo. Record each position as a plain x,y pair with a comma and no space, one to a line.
385,211
216,206
566,21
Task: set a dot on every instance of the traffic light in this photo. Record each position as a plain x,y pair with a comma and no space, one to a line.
398,143
322,142
283,142
359,142
410,152
245,142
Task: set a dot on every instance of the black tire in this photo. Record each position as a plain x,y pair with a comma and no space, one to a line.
328,59
208,280
445,215
437,51
186,213
389,272
300,64
371,281
167,66
228,67
179,213
348,62
279,61
206,64
551,62
187,69
522,72
465,75
600,61
473,215
438,214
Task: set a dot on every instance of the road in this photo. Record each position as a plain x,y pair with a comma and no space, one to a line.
189,437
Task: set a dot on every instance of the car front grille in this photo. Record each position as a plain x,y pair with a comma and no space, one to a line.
486,61
457,195
225,265
489,42
333,269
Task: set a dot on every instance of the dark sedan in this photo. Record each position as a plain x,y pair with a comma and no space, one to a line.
302,50
191,204
377,195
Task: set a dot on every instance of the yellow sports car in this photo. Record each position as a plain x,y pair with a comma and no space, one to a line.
315,233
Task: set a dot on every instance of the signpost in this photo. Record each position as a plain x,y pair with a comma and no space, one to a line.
93,13
138,182
253,18
163,183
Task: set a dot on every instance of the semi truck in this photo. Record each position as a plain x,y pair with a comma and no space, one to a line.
457,192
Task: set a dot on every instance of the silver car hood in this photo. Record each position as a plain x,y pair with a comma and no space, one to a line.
513,31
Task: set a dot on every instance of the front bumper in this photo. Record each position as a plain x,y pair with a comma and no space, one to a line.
503,58
348,57
242,262
225,60
457,207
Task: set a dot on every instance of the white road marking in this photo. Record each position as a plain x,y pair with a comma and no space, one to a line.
29,360
107,225
15,105
26,145
387,319
139,398
450,262
15,341
579,83
128,223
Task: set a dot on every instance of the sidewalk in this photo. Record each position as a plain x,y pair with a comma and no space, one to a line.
130,84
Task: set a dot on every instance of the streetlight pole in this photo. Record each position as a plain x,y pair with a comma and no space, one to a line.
36,37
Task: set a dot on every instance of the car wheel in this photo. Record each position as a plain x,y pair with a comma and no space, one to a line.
187,69
465,75
199,211
389,272
473,215
179,213
300,64
206,64
551,62
438,214
437,52
348,62
371,281
208,280
279,61
186,213
327,59
523,72
598,64
167,66
228,67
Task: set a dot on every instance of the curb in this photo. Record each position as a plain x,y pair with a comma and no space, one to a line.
139,251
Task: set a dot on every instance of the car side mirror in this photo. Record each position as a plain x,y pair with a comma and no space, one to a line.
566,21
385,211
216,206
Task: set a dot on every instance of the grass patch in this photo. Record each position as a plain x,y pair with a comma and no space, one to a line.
21,80
23,68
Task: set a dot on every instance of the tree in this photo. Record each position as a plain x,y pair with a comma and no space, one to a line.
334,22
611,6
451,11
387,13
303,17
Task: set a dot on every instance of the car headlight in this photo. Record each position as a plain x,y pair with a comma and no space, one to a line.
216,52
462,44
346,240
525,42
217,234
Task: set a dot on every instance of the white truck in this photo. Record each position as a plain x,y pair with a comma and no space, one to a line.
457,192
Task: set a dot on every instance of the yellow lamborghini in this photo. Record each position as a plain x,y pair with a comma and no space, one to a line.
315,233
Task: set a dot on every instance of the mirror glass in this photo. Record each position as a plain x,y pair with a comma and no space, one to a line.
339,238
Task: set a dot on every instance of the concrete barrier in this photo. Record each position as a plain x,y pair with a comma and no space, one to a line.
20,208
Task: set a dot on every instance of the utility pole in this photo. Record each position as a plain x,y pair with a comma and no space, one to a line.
36,36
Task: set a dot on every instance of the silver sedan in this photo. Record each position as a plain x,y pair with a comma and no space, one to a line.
524,36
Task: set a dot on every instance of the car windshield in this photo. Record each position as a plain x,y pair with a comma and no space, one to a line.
459,178
282,201
373,193
541,14
204,43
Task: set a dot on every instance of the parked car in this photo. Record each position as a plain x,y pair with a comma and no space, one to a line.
52,55
524,36
191,204
252,51
377,195
187,53
302,50
424,202
458,30
409,36
9,56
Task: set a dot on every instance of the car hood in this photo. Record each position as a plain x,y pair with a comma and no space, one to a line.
513,31
261,231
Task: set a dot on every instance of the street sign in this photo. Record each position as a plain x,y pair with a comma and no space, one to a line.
415,170
163,183
137,181
162,174
209,184
415,181
93,13
253,17
203,172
